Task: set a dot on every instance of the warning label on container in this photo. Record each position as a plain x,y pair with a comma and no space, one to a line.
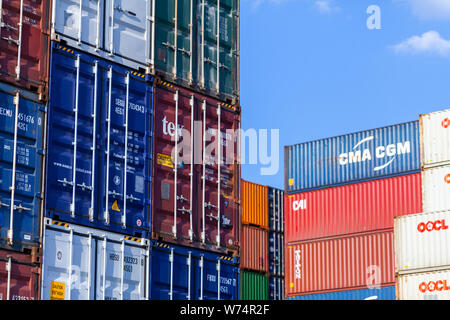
164,160
115,206
57,290
291,182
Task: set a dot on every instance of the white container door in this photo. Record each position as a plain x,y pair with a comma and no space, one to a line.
67,266
436,189
69,15
435,138
128,29
424,286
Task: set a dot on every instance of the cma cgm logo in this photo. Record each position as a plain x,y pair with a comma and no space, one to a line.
388,152
440,285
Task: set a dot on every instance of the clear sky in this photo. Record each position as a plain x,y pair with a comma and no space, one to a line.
313,69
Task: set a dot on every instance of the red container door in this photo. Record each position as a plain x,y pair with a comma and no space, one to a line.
254,251
24,44
354,208
359,261
24,276
179,187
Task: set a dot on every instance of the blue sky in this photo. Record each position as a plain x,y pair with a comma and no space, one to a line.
313,69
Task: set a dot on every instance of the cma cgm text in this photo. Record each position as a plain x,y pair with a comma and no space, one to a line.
390,150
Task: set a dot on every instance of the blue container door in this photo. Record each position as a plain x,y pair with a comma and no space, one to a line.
19,225
99,144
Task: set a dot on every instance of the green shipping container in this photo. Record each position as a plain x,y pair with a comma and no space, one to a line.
198,48
254,286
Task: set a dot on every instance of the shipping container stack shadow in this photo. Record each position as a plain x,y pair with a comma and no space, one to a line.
422,257
342,195
24,49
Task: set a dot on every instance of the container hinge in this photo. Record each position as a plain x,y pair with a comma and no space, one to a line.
181,198
43,109
7,26
183,50
207,60
20,208
39,196
184,210
114,193
212,217
210,206
11,40
168,45
3,204
132,198
127,12
65,182
83,186
41,152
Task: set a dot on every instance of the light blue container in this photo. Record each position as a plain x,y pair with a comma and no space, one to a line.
384,293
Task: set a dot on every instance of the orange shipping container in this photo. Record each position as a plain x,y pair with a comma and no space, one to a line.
255,204
254,249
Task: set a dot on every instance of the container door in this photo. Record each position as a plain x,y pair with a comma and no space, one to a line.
216,280
79,20
21,133
68,266
121,270
128,29
125,144
174,31
18,280
72,138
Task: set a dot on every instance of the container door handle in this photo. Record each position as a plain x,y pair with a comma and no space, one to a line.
8,269
12,188
218,279
94,142
203,235
124,215
106,213
201,278
175,170
188,262
171,274
75,138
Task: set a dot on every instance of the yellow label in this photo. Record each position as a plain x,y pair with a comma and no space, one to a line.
164,160
115,206
57,290
291,182
292,284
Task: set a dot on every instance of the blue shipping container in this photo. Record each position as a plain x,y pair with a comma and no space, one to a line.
181,273
22,157
276,288
276,209
383,293
371,154
100,112
276,253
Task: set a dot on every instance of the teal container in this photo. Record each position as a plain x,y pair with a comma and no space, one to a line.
254,286
197,45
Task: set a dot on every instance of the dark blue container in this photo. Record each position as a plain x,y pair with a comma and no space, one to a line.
276,288
276,253
276,209
383,293
181,273
351,158
27,144
89,118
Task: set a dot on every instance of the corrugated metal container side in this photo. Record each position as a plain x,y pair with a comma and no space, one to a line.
119,30
436,188
432,285
371,154
276,209
422,241
382,293
182,273
276,253
193,203
82,263
24,44
254,204
276,288
23,273
254,249
100,127
435,138
360,207
254,286
351,262
22,156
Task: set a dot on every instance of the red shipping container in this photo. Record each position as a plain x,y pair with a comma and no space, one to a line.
351,262
178,187
354,208
24,44
24,276
254,249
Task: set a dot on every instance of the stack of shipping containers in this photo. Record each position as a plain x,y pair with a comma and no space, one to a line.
94,97
24,49
254,241
276,243
195,196
342,196
422,258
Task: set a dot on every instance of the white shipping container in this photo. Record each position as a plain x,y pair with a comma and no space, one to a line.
422,241
81,263
435,138
433,285
436,189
